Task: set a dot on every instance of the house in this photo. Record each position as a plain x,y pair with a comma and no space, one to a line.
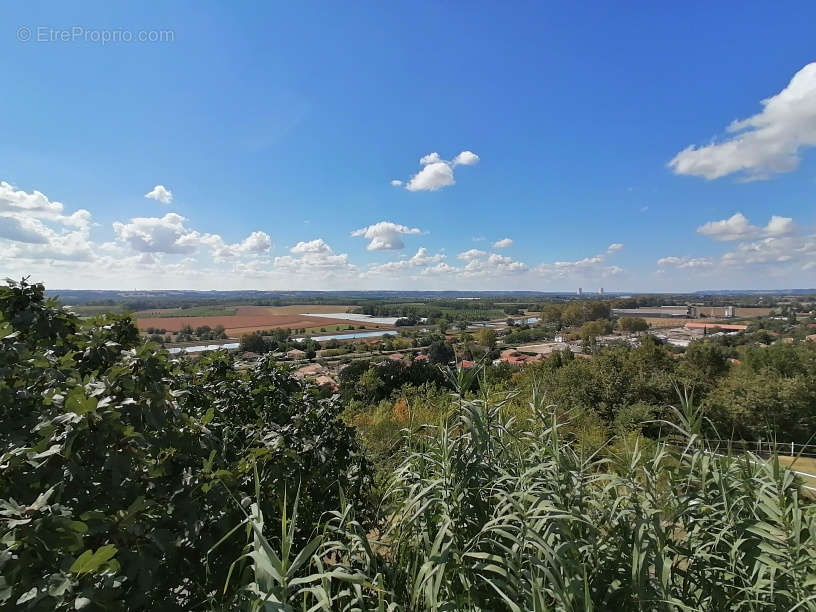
296,354
513,357
421,358
465,364
396,356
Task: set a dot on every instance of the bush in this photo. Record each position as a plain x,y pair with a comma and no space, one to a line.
119,464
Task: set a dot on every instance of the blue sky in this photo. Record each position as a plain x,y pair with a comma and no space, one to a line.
276,130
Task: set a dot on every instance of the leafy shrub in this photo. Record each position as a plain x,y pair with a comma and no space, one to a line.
120,465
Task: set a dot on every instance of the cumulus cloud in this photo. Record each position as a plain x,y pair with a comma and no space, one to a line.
586,267
436,172
165,234
685,262
36,205
780,226
777,247
316,258
503,243
312,246
439,269
160,193
385,235
420,259
471,254
38,228
168,234
466,158
765,144
793,250
59,246
256,243
23,230
738,227
482,263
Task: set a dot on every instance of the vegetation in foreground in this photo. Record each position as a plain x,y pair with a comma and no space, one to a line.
132,481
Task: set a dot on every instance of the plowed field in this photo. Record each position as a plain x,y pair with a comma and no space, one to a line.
245,320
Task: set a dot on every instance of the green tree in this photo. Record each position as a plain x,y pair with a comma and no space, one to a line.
486,336
440,352
632,324
593,329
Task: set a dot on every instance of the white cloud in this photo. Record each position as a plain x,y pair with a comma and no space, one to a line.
737,227
385,235
257,243
440,268
503,243
482,263
18,203
764,144
772,251
421,258
165,234
37,228
471,254
23,230
160,193
780,226
587,267
436,172
318,245
792,250
466,158
64,246
316,258
685,262
432,177
168,234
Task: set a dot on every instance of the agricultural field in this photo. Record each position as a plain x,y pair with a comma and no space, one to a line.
195,311
242,320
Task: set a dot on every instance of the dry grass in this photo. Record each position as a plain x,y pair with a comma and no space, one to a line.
802,464
661,322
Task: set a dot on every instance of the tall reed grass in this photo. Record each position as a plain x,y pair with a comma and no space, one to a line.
487,514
